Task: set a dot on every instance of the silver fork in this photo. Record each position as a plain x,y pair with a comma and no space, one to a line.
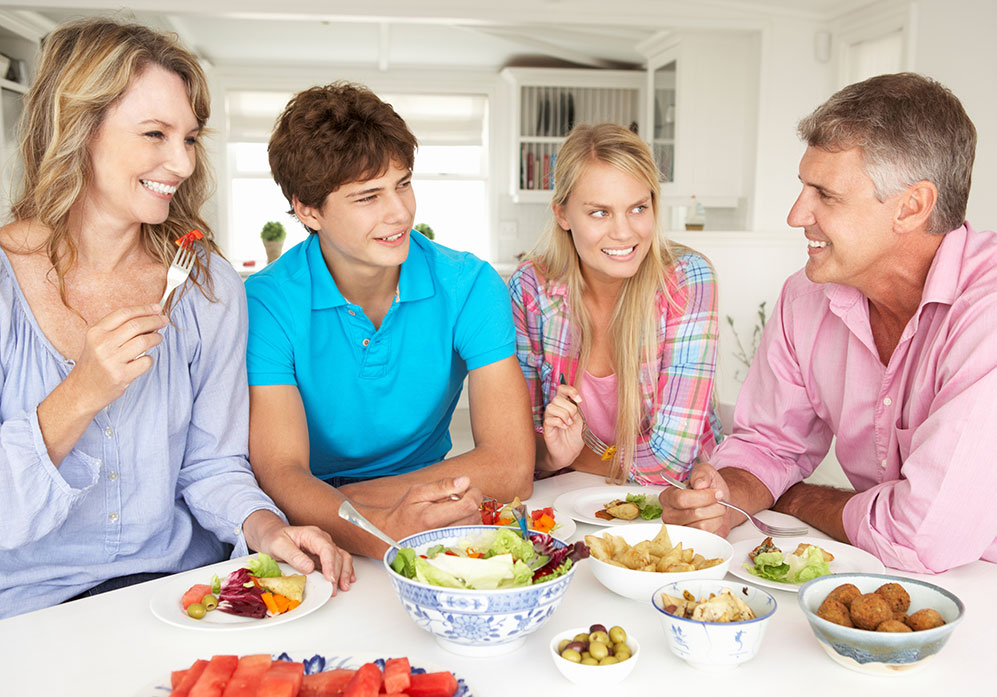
183,262
770,530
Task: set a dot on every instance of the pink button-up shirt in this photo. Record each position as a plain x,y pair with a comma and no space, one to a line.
917,437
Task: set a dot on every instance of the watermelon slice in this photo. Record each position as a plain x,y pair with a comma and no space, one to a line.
247,676
215,676
282,680
190,676
329,683
396,675
366,682
194,594
442,684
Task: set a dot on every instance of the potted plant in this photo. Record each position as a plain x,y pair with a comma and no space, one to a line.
273,235
426,230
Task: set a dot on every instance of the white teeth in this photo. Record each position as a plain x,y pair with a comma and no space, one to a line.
619,252
159,188
816,243
393,237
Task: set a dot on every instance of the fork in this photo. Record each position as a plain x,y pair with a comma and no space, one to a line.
183,262
765,528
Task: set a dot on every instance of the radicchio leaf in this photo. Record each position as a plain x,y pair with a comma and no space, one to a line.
238,599
544,544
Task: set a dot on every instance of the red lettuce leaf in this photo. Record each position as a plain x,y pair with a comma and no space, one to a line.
236,599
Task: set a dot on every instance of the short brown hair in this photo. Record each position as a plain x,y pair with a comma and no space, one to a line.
910,128
333,135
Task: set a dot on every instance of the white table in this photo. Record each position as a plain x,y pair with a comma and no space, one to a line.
112,645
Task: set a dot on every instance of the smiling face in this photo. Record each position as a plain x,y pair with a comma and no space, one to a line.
365,224
142,151
610,216
849,231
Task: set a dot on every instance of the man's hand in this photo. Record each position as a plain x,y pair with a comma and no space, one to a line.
267,533
697,506
436,504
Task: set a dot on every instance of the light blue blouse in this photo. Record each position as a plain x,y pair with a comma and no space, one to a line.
161,477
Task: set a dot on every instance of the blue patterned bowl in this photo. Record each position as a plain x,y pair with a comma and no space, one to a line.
881,653
475,622
715,645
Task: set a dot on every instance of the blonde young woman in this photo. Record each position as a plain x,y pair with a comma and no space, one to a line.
614,325
123,425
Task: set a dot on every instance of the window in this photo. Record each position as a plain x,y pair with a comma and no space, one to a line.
449,177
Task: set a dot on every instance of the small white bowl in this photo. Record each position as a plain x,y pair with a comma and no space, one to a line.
638,585
715,645
881,653
593,675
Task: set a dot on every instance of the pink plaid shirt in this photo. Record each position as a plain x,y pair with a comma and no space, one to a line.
684,423
916,437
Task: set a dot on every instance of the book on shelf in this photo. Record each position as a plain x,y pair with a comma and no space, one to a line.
545,182
550,181
529,170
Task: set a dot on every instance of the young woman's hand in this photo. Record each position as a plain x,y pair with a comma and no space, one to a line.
563,424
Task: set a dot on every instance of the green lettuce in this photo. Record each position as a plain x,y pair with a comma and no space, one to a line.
648,511
451,571
263,566
404,562
775,566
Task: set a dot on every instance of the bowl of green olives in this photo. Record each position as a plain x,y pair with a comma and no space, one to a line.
595,655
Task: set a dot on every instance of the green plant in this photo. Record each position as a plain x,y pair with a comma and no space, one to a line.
273,232
745,354
426,230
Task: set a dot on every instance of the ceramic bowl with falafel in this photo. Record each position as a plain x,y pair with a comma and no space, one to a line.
878,623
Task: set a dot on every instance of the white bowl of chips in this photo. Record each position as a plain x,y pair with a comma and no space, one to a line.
635,560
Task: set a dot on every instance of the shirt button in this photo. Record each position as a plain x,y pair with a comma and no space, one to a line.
99,462
887,401
352,313
883,464
112,476
108,431
366,342
113,517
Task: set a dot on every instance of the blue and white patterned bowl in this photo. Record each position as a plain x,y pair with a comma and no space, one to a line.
881,653
715,645
475,622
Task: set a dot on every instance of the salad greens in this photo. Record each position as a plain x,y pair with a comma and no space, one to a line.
648,511
263,566
775,566
494,559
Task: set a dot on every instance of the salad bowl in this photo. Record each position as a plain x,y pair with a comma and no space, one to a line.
475,622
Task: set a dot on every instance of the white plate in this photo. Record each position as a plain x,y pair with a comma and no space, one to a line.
316,664
847,559
582,504
166,605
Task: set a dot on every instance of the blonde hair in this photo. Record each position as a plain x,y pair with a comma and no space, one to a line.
85,68
633,329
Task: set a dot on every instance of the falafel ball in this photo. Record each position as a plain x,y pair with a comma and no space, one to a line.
835,611
925,619
895,595
869,610
893,626
845,593
900,617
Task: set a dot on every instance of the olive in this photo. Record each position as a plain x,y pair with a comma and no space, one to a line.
563,645
620,646
608,661
581,637
622,654
617,634
571,655
578,646
598,650
597,628
196,610
586,654
209,602
600,637
589,661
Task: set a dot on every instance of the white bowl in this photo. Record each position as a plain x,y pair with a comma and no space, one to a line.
715,645
475,622
638,585
593,675
881,653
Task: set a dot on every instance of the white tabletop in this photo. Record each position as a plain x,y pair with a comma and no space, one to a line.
111,645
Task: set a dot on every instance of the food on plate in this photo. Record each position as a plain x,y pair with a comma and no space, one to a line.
718,607
599,647
630,508
540,519
498,558
883,610
657,554
256,590
807,562
261,675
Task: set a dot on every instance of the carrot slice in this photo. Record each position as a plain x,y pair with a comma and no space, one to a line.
281,601
269,602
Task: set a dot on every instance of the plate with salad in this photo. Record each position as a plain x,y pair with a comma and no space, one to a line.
243,594
786,563
546,519
586,505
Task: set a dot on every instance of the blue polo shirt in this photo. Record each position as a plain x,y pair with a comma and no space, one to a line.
378,402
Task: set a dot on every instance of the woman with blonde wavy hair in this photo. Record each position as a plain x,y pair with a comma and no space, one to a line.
616,328
123,431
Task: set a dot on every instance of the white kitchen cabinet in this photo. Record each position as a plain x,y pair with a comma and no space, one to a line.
547,103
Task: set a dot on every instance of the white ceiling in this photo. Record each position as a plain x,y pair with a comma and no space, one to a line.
476,34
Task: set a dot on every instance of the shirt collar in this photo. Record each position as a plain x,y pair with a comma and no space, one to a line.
414,283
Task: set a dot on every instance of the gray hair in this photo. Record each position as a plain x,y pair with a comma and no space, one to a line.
910,128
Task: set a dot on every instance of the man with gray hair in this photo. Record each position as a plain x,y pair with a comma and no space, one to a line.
885,340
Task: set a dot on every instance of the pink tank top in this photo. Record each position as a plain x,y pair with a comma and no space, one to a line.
599,400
